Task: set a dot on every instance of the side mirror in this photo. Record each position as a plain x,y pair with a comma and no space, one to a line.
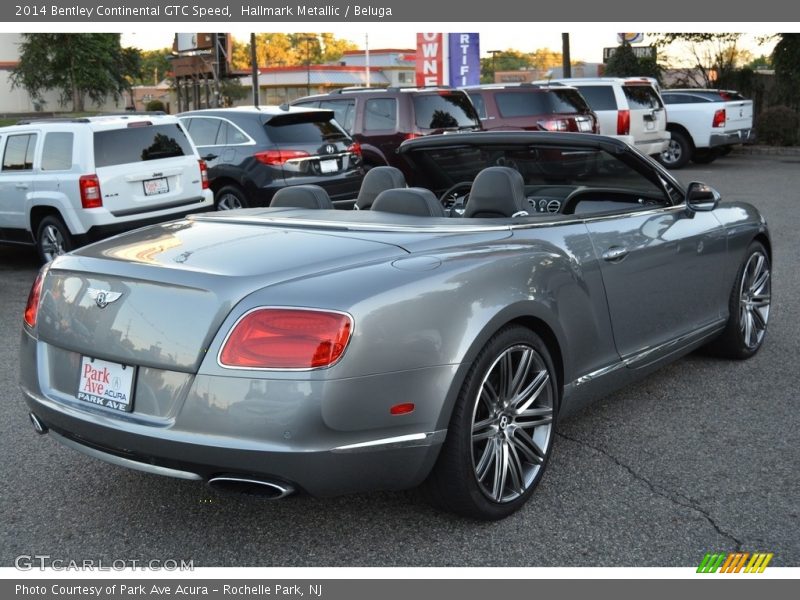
701,198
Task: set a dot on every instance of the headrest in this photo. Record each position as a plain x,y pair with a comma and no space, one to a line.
302,196
409,201
497,192
377,180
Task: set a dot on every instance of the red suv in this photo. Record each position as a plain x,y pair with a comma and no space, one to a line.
534,107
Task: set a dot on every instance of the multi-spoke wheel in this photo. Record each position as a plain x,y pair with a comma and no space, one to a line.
230,197
501,431
749,307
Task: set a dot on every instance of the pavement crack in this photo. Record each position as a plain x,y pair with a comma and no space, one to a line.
672,496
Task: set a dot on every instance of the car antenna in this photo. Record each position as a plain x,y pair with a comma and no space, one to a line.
284,107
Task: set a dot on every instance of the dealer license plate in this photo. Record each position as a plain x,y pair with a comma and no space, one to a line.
155,186
328,166
106,384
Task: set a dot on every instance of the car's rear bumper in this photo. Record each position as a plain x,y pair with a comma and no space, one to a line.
731,138
653,147
323,437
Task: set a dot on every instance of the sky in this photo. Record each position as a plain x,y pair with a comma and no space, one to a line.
587,40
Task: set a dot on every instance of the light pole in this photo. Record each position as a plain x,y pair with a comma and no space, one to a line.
494,54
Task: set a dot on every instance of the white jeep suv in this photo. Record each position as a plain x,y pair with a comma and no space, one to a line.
67,182
628,108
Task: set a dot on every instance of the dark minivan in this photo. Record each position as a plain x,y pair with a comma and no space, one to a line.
382,119
253,152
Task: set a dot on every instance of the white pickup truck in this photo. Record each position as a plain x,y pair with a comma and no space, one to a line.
704,124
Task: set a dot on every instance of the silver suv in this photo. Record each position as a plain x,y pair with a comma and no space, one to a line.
628,108
67,182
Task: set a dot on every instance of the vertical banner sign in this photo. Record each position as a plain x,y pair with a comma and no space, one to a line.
465,59
430,59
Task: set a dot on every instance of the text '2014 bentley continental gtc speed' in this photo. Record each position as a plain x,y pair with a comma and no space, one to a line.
432,337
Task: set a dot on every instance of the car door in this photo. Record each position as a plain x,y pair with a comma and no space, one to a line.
17,184
662,267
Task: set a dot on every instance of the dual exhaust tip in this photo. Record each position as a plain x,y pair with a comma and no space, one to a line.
232,484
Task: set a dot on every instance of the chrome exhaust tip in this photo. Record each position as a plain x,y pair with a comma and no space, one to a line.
270,490
38,426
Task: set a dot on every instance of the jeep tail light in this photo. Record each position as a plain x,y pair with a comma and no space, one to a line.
203,173
355,148
412,136
32,307
276,158
287,338
90,191
623,122
719,118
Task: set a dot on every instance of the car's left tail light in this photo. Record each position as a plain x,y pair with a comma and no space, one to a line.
287,338
32,307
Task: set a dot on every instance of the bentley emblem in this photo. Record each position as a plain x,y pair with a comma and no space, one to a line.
330,148
103,297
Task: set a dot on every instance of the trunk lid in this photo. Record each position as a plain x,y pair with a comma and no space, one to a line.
165,290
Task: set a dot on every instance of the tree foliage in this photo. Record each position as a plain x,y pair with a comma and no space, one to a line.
786,61
514,60
713,57
625,63
291,49
77,65
155,66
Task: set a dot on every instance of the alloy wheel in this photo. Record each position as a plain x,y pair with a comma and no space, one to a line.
754,300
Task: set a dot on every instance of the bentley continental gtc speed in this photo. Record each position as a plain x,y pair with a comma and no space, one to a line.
433,340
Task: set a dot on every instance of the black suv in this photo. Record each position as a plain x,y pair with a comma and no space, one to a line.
253,152
533,107
381,119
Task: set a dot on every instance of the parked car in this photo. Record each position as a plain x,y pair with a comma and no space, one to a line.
532,107
704,124
66,182
253,152
628,108
286,350
381,119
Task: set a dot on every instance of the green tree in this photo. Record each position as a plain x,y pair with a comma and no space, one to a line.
514,60
786,61
625,63
77,65
334,48
231,90
155,66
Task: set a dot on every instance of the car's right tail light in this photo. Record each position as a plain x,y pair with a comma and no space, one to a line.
287,338
203,173
32,307
355,148
90,191
719,118
623,122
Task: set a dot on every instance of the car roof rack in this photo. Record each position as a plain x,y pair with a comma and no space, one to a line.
127,114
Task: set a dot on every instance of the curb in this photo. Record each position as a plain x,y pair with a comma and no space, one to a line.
758,150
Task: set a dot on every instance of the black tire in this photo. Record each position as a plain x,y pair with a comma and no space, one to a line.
749,305
485,431
230,197
704,156
53,238
678,152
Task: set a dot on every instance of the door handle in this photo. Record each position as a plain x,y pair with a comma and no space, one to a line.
615,254
209,157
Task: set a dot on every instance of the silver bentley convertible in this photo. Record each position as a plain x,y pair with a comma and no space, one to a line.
433,337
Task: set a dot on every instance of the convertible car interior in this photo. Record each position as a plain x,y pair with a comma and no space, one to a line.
496,181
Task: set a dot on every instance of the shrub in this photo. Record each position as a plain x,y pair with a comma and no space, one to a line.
154,105
778,126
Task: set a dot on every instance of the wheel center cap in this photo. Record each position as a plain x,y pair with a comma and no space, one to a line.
503,422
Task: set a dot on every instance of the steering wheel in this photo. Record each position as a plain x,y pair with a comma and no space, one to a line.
456,195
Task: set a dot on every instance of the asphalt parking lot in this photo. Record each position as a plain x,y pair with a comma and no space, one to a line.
703,456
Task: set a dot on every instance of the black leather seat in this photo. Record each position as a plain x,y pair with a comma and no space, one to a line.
302,196
409,201
497,192
377,180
